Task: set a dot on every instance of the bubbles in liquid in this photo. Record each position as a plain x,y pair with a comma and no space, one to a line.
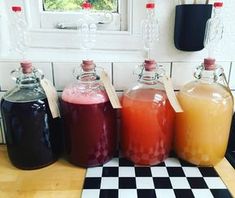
77,96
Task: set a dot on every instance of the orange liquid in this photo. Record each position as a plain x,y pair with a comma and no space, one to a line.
202,130
147,126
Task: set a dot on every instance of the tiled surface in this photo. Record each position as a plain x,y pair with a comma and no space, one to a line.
123,74
232,77
6,67
119,178
63,72
182,72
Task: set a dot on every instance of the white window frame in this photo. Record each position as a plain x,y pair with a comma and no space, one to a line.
48,19
60,41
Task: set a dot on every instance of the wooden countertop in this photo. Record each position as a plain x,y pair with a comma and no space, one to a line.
58,180
227,173
62,179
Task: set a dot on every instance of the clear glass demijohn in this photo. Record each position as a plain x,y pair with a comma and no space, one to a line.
90,120
32,135
202,130
147,118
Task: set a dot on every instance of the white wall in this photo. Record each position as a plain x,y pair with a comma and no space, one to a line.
121,74
164,49
57,64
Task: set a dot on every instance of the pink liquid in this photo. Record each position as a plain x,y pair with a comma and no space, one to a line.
90,127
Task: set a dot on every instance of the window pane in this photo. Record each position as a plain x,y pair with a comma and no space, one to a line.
73,5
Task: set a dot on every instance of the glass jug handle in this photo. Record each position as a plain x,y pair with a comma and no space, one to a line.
77,72
160,71
198,72
38,74
15,74
220,76
138,71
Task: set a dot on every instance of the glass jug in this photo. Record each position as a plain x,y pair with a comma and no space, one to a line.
90,120
202,130
33,137
147,118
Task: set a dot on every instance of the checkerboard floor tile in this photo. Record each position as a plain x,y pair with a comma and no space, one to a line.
120,178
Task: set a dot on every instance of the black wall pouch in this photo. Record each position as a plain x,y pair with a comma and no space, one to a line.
190,24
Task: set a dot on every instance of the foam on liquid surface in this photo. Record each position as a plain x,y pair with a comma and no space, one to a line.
78,95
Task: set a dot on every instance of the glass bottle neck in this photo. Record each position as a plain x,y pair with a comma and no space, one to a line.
208,76
150,14
148,77
86,12
217,12
27,80
88,76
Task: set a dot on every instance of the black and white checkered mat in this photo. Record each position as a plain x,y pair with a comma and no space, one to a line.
119,178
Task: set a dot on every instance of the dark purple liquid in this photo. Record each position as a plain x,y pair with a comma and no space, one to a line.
33,136
90,131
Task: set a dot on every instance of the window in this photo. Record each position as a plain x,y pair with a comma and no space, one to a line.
120,37
74,5
63,14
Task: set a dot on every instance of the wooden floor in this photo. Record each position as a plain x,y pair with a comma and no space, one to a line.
63,180
59,180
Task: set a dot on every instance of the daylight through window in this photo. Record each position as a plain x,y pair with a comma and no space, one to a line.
75,5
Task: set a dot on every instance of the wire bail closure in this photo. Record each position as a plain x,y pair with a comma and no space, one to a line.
159,71
218,74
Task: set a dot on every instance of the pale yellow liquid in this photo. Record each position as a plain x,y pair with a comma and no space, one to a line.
202,130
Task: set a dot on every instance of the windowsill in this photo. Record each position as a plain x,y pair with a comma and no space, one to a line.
67,31
70,39
75,55
55,45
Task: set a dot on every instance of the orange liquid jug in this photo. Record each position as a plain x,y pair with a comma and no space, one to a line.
147,119
202,130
